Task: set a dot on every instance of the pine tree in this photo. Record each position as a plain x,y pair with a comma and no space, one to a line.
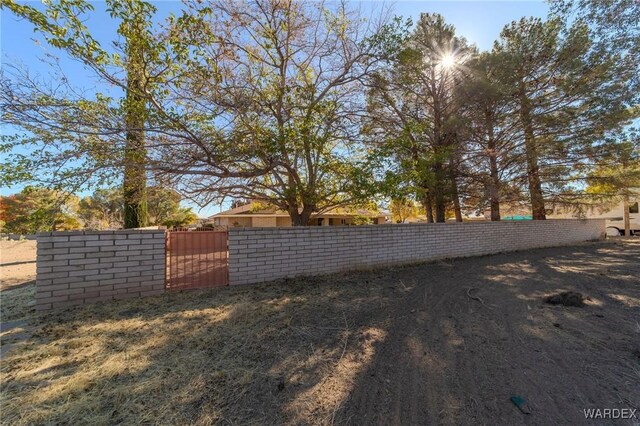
413,109
567,97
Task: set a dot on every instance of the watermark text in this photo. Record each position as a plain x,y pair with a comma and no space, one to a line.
610,413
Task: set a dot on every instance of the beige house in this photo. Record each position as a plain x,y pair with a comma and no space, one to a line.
257,215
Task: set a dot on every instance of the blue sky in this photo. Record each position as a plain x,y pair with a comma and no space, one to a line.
479,21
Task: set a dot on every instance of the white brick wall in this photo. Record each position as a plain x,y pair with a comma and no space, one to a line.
79,267
264,254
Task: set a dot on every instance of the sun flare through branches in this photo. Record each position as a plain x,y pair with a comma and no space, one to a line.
448,61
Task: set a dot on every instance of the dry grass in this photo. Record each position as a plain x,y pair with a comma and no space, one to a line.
195,357
16,302
341,348
17,278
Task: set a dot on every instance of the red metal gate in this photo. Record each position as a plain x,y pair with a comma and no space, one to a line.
196,259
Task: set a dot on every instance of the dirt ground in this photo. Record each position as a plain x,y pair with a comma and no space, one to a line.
17,262
17,278
443,343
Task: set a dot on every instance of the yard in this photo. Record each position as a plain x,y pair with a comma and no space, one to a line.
17,278
447,342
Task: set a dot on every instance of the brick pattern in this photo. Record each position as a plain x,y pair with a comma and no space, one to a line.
74,268
264,254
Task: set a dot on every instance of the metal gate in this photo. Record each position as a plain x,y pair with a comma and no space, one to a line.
197,259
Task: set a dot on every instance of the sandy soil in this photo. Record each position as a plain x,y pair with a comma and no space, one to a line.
453,360
442,343
17,262
17,278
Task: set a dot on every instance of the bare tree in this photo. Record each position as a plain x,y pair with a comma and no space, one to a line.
291,87
258,100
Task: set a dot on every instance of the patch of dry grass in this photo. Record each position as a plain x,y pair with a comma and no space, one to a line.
16,302
196,357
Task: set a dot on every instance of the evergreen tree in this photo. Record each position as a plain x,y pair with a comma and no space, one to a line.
566,96
491,131
413,108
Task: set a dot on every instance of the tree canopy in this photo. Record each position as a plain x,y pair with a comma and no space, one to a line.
309,106
38,209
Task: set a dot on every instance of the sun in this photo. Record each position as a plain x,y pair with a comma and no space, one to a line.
448,61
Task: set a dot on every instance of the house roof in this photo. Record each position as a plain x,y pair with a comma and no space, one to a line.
252,209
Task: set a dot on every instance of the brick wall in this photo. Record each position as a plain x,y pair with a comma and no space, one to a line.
74,268
263,254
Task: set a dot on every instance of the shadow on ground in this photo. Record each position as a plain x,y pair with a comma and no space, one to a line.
448,342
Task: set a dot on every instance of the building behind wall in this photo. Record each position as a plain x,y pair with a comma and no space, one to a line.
258,215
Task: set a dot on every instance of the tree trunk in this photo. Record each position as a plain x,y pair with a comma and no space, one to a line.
300,218
494,194
438,167
438,191
135,155
454,190
494,178
428,205
134,188
533,170
625,215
